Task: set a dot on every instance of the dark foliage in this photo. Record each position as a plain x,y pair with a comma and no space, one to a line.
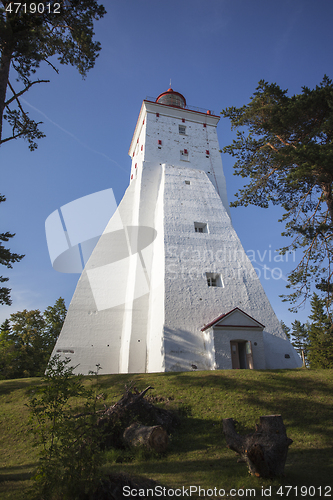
315,337
284,148
29,38
27,340
7,258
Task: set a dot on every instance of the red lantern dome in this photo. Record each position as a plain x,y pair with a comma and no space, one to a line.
172,98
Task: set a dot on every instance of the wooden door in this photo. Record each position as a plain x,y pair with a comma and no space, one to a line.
249,355
234,355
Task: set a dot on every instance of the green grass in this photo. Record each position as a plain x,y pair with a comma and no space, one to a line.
197,454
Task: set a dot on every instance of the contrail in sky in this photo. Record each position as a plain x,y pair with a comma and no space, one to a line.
72,135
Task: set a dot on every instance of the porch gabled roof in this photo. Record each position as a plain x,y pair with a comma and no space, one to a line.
225,315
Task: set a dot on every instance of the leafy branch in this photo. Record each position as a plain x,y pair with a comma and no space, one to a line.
28,39
284,147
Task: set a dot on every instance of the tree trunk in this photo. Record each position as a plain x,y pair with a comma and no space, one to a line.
133,407
5,61
264,451
327,192
154,437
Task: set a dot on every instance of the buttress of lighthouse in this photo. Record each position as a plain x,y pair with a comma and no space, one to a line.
169,286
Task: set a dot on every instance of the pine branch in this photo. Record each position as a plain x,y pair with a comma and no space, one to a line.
17,95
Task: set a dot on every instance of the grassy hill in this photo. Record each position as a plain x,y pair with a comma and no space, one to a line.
197,454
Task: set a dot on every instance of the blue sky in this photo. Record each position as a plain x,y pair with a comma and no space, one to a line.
215,52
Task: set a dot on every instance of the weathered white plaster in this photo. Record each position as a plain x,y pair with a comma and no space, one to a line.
143,299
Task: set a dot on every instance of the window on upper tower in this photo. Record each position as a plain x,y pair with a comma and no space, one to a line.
214,279
182,129
184,154
200,227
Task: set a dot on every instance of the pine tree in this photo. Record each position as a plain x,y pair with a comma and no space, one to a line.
320,333
29,38
7,351
32,33
300,339
7,258
286,329
284,148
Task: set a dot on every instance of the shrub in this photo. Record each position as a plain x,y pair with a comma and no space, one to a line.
65,415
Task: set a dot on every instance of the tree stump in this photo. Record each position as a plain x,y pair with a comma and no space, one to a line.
153,437
132,407
264,451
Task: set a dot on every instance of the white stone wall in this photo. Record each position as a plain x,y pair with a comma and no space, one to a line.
155,350
189,302
199,138
92,330
157,326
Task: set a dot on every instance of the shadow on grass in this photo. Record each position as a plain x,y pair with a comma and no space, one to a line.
8,386
185,466
302,469
17,472
304,401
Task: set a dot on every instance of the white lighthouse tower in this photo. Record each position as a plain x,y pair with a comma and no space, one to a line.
168,286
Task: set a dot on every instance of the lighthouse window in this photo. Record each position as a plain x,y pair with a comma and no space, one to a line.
184,154
200,227
214,279
211,281
182,129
